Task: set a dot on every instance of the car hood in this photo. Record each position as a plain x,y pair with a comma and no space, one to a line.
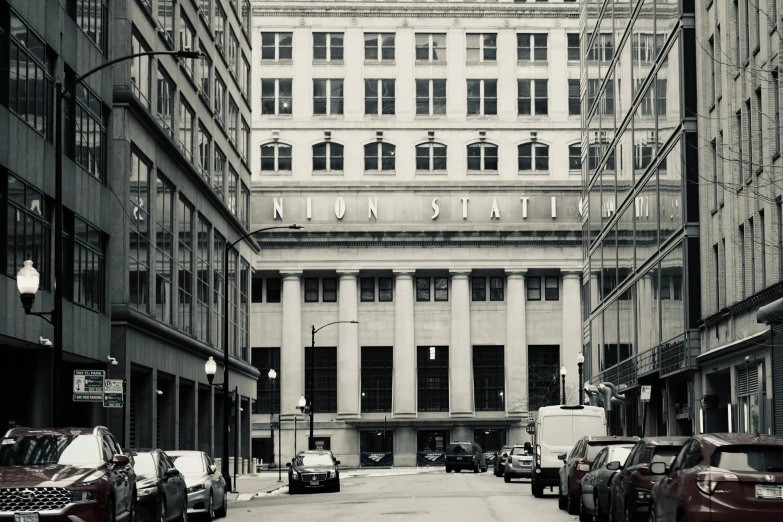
53,475
314,469
145,481
191,479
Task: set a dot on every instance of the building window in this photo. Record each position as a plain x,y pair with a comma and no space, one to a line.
185,266
30,93
533,157
328,157
218,289
607,100
273,287
186,119
244,76
328,47
763,246
92,17
88,131
220,100
205,66
204,157
166,20
233,186
203,245
441,289
431,157
231,288
488,378
385,289
740,167
377,377
423,289
244,140
482,157
760,127
219,173
531,47
430,47
496,288
244,205
187,42
714,174
324,397
368,289
776,108
379,157
602,48
711,58
717,278
543,371
533,288
482,97
276,157
482,47
532,97
277,46
644,48
329,290
268,394
552,288
575,157
257,290
379,47
233,54
752,248
233,121
433,378
478,289
660,97
327,97
28,229
573,47
276,97
742,259
164,249
220,28
311,289
574,98
140,70
165,103
246,15
430,97
379,97
139,246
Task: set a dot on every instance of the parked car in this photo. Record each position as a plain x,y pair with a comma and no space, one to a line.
465,455
313,470
68,473
721,478
160,487
578,462
206,487
500,462
557,429
630,488
595,501
519,463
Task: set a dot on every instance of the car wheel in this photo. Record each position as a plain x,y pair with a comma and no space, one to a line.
210,514
483,470
223,511
458,470
109,515
537,489
506,478
682,517
562,501
572,504
161,510
584,516
476,468
598,515
337,487
651,517
448,469
183,516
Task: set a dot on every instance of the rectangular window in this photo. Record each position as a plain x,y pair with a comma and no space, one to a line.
482,97
776,108
244,140
737,48
532,47
28,229
711,58
430,47
88,131
273,287
742,259
532,97
552,289
747,29
218,179
430,97
233,121
763,245
377,377
574,157
257,290
441,288
324,397
233,54
752,247
244,310
488,378
422,289
220,100
602,48
329,290
165,104
368,289
574,98
533,288
379,97
760,127
231,193
714,174
385,289
379,47
276,157
187,42
186,119
479,288
750,139
276,46
205,67
185,266
276,97
244,76
328,47
92,17
482,47
327,97
573,47
244,205
233,315
717,276
140,70
268,392
740,169
543,367
139,246
204,157
496,288
432,365
166,20
219,27
218,289
201,319
311,289
164,249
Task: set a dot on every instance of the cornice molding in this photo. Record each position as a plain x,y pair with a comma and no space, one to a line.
440,243
375,10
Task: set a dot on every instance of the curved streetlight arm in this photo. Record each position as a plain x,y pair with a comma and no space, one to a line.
315,331
245,236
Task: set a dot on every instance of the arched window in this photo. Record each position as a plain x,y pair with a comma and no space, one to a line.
482,157
275,157
533,156
379,156
430,157
328,157
575,157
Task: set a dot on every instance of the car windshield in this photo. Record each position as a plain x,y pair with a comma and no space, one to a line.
518,451
144,464
460,449
665,454
314,459
41,450
188,463
619,454
749,458
593,449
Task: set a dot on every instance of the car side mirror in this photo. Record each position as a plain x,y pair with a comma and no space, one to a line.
211,469
120,460
336,462
505,455
658,468
288,464
562,456
613,466
528,447
172,472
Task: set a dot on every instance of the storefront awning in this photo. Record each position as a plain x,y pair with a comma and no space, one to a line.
771,313
732,347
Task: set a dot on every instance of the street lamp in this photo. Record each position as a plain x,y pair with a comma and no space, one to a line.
272,376
563,373
580,360
210,369
313,331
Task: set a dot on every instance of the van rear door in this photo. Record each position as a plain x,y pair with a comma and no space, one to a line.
557,436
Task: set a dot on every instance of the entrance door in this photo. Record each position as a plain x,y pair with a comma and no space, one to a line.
490,439
376,448
262,450
430,447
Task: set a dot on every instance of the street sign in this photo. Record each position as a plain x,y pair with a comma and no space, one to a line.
531,428
646,393
88,385
113,393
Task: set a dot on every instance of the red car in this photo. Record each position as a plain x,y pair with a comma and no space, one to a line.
65,474
723,477
577,463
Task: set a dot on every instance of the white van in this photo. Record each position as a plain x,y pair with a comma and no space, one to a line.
557,430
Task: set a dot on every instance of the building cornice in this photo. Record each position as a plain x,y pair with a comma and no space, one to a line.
428,10
316,186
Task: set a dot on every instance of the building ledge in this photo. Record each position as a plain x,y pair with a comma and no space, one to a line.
733,347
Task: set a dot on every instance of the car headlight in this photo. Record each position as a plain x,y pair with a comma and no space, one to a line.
197,487
90,482
295,475
330,474
146,491
83,496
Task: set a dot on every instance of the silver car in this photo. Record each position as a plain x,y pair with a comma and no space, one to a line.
206,487
519,463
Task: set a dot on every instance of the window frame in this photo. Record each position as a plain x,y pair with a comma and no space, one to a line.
552,293
483,157
278,48
537,105
483,110
531,289
486,54
329,289
276,97
478,288
276,157
534,158
381,157
432,55
533,47
311,289
380,47
329,158
431,157
381,100
433,108
329,47
420,290
367,284
330,102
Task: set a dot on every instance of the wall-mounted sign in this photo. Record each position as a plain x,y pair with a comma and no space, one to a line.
88,385
113,393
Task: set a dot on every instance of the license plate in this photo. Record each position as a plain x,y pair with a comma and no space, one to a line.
314,482
459,458
25,517
770,492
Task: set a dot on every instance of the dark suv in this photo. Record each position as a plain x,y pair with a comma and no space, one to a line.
65,474
465,455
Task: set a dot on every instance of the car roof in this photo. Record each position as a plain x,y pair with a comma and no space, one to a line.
727,439
315,452
665,441
183,453
21,432
612,438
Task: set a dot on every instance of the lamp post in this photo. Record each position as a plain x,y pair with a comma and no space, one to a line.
272,376
27,291
580,360
563,373
210,369
313,331
304,409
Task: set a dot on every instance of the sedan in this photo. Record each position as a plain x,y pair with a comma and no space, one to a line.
519,463
206,486
160,488
500,462
313,470
595,501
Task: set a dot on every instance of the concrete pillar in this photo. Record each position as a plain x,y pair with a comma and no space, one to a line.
572,332
153,382
404,346
176,412
516,344
348,359
404,446
460,357
196,441
292,351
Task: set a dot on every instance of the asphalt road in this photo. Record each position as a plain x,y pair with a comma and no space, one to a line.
430,496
